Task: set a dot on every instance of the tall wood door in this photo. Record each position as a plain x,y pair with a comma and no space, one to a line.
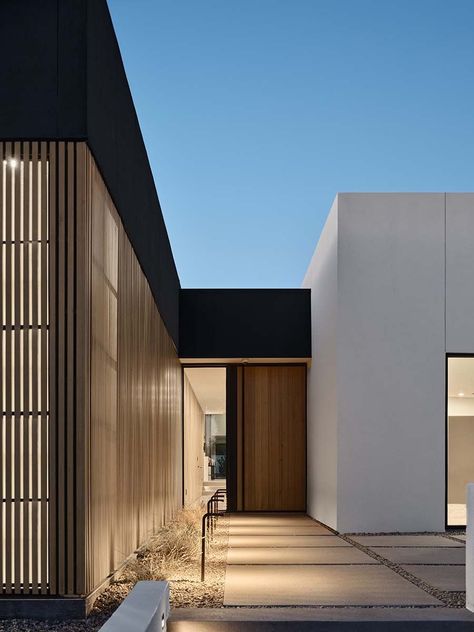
274,438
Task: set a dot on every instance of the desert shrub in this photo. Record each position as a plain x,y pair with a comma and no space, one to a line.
176,545
178,542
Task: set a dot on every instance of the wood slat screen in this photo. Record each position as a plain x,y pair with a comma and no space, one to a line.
90,435
69,361
24,430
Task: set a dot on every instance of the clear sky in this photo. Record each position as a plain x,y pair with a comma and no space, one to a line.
255,113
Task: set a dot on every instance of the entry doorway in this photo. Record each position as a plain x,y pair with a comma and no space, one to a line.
267,438
244,428
459,436
204,430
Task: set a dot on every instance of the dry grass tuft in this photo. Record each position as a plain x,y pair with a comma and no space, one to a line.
174,554
176,545
178,542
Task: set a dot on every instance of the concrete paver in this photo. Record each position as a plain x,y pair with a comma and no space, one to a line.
278,519
280,541
301,555
328,585
289,529
442,576
423,555
405,540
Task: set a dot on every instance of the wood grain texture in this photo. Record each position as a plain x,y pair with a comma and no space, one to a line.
90,436
24,233
239,439
135,460
68,344
274,438
193,444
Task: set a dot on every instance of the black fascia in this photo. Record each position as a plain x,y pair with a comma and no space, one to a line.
245,323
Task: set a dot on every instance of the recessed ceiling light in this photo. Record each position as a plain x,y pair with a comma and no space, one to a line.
460,394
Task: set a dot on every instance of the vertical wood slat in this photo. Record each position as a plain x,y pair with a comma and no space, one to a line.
28,334
9,366
18,335
44,360
61,377
70,419
36,506
52,372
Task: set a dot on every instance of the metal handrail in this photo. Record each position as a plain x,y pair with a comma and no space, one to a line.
205,518
213,506
209,519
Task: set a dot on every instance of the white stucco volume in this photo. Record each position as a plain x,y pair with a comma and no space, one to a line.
392,293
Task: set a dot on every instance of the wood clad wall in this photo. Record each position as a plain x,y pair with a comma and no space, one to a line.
69,361
135,459
42,194
193,445
90,434
274,438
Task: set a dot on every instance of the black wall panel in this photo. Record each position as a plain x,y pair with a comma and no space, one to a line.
245,323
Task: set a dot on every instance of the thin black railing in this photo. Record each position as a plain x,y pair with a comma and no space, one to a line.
209,522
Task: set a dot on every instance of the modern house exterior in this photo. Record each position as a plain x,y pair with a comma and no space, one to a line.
335,398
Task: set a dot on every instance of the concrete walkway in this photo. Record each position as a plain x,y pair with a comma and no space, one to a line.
290,560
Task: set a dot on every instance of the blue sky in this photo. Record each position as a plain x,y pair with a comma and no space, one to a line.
255,113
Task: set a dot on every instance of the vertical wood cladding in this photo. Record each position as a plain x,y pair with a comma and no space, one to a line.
135,434
90,435
274,438
193,445
69,362
24,429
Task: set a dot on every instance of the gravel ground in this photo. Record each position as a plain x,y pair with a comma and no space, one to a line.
186,589
450,599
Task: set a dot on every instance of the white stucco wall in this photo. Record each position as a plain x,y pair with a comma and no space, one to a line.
322,406
404,296
459,272
391,362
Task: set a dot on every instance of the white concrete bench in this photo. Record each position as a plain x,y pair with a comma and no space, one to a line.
146,609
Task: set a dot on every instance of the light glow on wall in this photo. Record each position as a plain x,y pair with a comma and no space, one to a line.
24,230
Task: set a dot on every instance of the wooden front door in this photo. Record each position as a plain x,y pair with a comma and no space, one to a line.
274,438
